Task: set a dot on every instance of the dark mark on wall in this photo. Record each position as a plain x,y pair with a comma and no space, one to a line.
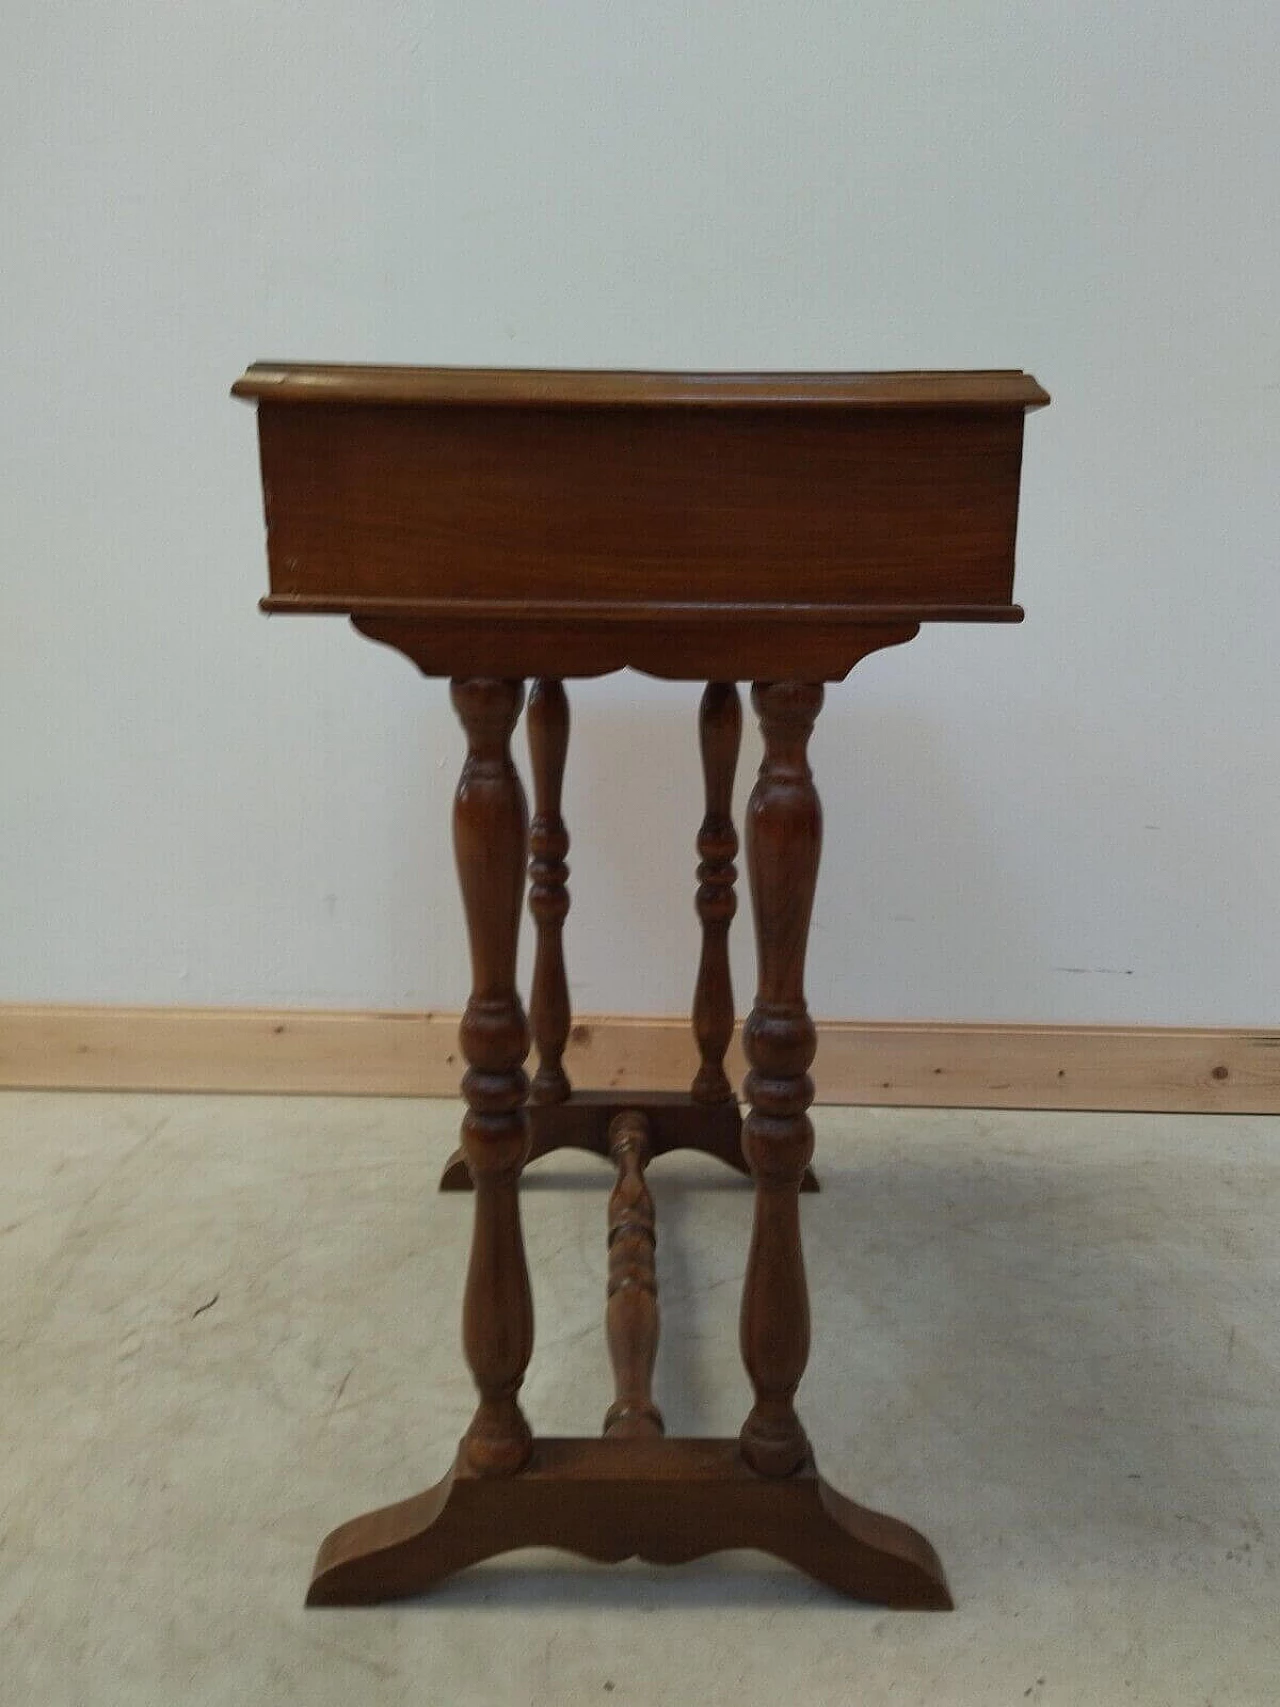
1108,971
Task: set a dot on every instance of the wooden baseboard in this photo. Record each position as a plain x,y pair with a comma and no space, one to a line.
304,1052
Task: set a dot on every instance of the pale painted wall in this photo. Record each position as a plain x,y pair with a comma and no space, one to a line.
1076,820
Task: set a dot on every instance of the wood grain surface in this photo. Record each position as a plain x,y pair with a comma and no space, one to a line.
314,1052
577,388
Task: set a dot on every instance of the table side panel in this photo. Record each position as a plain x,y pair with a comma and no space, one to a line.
902,508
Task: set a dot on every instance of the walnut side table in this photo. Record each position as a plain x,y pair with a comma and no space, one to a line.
503,526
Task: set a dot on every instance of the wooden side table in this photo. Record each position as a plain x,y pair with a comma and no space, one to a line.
498,527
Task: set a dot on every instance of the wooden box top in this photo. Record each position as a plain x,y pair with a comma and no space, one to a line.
706,525
569,388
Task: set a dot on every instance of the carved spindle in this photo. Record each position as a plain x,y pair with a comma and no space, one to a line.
631,1317
549,1015
719,735
784,838
489,833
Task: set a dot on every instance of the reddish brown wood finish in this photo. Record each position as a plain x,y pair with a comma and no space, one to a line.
489,831
666,1501
676,642
676,1122
496,526
719,527
587,388
836,508
719,736
548,724
784,839
631,1315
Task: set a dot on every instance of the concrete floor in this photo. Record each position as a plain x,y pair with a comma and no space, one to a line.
229,1323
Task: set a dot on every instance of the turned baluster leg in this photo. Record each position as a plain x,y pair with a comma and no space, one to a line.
631,1315
548,725
719,736
489,831
783,841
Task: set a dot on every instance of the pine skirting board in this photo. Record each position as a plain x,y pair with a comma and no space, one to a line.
307,1052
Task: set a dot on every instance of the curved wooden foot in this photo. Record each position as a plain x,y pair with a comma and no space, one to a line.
676,1122
664,1501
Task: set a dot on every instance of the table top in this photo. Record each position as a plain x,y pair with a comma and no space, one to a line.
570,388
713,526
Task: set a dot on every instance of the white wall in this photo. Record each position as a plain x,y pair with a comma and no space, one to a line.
1075,820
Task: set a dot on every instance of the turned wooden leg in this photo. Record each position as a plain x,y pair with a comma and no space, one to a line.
784,838
719,736
631,1315
547,720
634,1493
707,1119
489,830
